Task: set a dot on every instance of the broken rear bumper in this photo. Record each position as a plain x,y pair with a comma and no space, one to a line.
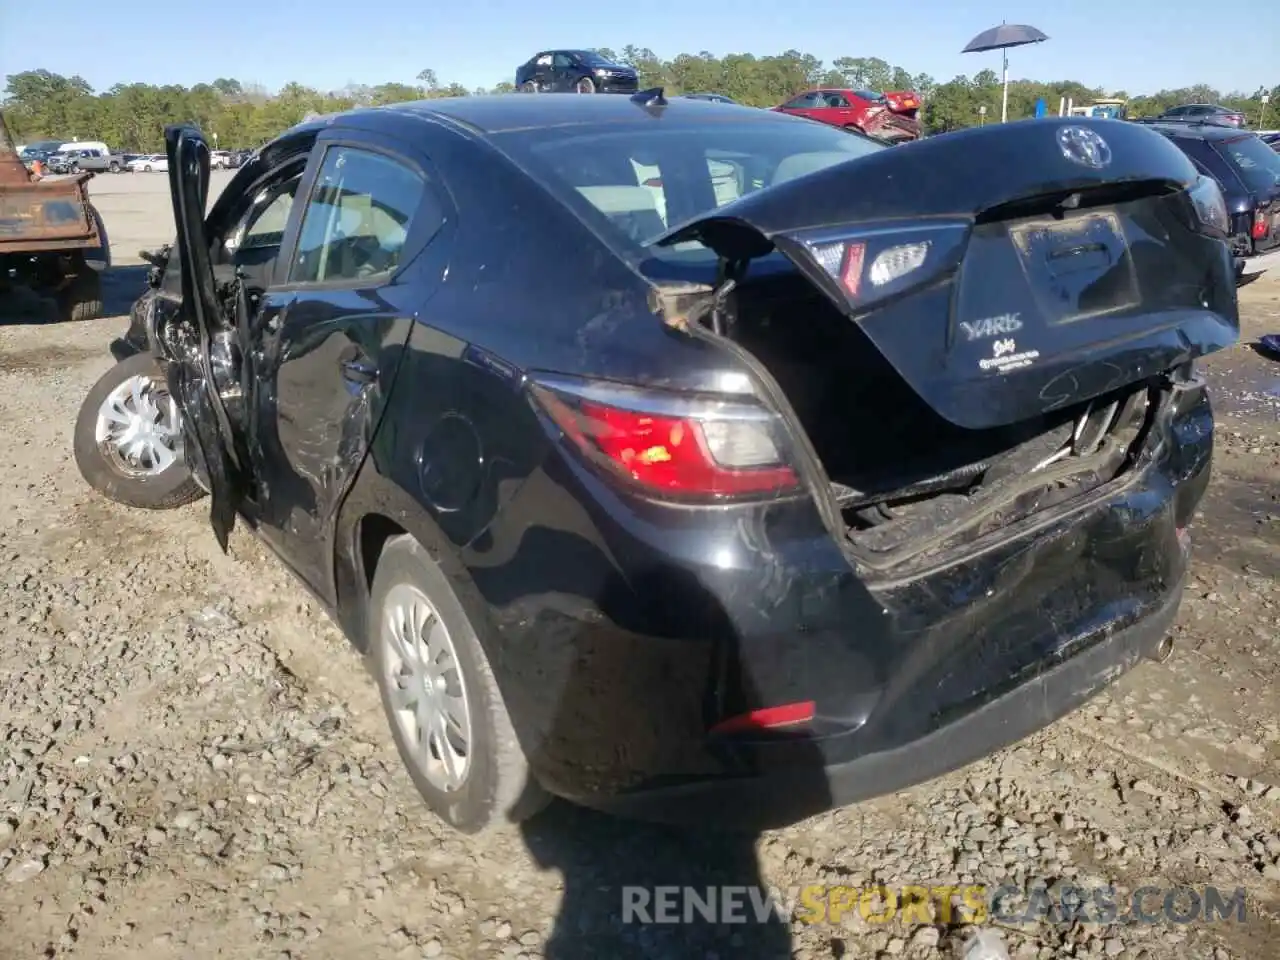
786,795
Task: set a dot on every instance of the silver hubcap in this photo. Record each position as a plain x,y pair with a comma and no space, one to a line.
138,428
428,698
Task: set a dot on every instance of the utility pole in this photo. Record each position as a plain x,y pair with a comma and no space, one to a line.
1262,114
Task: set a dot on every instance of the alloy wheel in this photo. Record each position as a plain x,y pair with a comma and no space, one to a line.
138,428
426,690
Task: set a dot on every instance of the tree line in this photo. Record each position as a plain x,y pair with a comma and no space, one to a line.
39,104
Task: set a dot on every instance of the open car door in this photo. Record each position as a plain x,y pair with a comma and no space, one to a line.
203,325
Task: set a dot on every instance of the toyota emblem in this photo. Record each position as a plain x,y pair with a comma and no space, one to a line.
1084,146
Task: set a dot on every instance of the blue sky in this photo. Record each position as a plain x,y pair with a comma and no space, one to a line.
1136,45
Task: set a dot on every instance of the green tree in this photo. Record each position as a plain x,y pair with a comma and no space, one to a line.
41,104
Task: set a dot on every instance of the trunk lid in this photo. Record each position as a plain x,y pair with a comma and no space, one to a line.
1004,272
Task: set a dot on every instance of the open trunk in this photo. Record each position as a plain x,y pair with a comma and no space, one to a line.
907,480
966,351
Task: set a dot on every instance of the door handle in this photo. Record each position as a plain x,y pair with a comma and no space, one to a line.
357,371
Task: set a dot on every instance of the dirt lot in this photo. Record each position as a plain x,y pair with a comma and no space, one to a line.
192,763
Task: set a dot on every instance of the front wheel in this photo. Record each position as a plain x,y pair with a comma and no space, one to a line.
528,87
147,168
586,85
448,718
128,439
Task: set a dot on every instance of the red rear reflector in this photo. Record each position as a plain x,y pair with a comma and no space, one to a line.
851,271
768,718
690,447
654,182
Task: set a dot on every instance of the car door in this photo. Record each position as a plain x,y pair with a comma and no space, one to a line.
563,73
806,105
216,454
330,334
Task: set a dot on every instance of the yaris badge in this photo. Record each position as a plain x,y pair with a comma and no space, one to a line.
1083,146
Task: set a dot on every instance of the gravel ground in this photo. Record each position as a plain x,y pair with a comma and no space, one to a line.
192,763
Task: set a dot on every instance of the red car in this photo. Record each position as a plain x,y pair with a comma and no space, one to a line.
892,116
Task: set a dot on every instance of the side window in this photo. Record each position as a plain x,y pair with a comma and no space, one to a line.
357,218
804,101
265,227
544,60
561,61
836,100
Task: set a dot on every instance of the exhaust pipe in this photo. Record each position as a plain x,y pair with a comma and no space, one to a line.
1162,650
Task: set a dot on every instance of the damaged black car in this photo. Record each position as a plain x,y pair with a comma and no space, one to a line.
688,461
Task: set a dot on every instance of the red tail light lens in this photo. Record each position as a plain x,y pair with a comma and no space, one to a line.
769,718
668,443
1259,230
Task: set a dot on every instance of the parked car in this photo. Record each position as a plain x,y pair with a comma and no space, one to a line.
716,513
892,117
1248,174
574,71
149,162
1272,140
1205,113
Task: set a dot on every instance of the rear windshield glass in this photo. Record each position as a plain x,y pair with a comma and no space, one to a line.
635,182
1257,164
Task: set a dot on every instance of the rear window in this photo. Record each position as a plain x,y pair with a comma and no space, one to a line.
1257,165
635,182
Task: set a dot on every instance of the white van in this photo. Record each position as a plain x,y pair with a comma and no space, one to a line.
85,145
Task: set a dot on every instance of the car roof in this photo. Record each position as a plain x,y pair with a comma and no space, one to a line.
1201,131
501,113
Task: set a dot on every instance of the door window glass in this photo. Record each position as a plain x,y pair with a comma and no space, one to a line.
357,218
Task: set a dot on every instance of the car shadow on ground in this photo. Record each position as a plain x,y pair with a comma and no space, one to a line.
645,890
121,286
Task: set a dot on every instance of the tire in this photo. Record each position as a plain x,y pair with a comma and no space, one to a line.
496,786
114,167
585,85
163,490
147,168
529,87
82,298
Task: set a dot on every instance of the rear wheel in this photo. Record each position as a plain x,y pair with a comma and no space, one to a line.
586,85
147,168
81,298
447,716
528,87
128,439
114,167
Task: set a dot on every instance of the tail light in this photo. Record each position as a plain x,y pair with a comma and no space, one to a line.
768,718
1259,230
1210,207
671,444
881,263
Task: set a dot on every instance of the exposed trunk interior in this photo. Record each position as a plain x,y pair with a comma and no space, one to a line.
907,480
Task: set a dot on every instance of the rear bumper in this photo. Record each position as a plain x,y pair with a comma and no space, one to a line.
625,636
787,796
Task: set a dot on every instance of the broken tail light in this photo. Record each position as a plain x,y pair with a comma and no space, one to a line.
668,443
880,263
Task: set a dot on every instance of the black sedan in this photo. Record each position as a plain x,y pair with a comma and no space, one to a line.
719,491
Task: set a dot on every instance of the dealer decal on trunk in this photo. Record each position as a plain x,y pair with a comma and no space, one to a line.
1005,357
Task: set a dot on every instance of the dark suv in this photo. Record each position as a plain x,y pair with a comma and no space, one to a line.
574,71
1247,170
